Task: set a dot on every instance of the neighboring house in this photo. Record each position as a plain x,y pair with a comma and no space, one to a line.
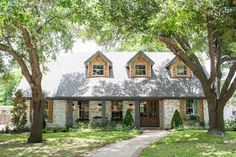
86,86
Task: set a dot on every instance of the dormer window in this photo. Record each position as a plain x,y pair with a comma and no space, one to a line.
98,70
140,65
181,70
98,65
140,70
177,69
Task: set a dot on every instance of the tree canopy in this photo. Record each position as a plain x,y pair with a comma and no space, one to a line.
187,28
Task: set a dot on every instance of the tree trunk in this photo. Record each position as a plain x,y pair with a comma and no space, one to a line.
38,108
216,119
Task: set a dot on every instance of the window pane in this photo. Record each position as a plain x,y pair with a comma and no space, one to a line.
191,107
140,70
117,110
98,69
181,69
83,110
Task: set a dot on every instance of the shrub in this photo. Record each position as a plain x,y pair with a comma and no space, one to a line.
176,120
230,125
128,120
18,113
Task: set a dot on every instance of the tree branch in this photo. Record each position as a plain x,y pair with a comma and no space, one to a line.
230,92
14,54
228,79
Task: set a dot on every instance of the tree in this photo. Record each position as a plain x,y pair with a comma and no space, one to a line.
18,113
8,84
176,120
187,28
128,119
32,33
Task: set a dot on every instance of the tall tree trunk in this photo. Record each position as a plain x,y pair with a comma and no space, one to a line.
38,108
216,118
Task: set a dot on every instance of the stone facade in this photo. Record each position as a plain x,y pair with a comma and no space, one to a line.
59,113
126,106
169,107
95,110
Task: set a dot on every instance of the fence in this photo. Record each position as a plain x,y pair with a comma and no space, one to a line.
5,114
4,118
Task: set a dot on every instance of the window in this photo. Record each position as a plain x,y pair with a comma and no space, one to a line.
116,110
181,70
98,70
191,107
83,110
140,70
46,111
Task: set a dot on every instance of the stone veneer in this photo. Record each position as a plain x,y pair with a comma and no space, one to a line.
94,109
168,110
126,107
59,113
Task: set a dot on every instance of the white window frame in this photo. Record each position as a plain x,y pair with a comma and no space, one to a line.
192,106
183,68
94,74
145,68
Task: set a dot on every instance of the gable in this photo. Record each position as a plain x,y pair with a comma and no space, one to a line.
98,59
140,59
172,68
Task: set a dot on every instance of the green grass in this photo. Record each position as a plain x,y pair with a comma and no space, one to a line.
193,143
75,143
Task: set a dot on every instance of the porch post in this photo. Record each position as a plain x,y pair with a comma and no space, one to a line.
103,110
137,113
69,114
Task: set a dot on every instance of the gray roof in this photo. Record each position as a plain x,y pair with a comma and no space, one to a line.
66,78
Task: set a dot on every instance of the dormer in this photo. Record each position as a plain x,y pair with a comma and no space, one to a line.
177,69
98,65
140,66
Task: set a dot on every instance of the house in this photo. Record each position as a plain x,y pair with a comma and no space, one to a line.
86,86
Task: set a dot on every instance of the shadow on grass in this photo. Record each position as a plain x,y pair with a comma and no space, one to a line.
63,144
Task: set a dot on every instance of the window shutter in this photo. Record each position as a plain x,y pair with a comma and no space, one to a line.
50,111
201,110
182,109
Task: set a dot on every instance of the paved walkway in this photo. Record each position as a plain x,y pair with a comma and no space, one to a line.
130,148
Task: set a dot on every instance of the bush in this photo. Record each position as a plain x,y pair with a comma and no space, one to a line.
128,120
18,113
230,125
176,120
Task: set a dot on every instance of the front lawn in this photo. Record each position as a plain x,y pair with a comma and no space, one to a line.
75,143
193,143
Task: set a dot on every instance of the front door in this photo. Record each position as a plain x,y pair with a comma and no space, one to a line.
149,113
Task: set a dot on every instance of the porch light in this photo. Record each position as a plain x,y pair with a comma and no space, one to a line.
131,106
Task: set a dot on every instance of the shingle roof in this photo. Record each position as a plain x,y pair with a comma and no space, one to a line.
66,78
94,55
138,54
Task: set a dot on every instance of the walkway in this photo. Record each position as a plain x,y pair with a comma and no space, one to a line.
130,148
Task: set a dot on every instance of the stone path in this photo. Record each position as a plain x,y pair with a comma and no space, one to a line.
130,148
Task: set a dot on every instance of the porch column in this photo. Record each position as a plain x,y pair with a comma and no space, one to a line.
103,110
137,114
69,114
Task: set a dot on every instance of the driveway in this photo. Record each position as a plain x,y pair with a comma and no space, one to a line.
131,147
